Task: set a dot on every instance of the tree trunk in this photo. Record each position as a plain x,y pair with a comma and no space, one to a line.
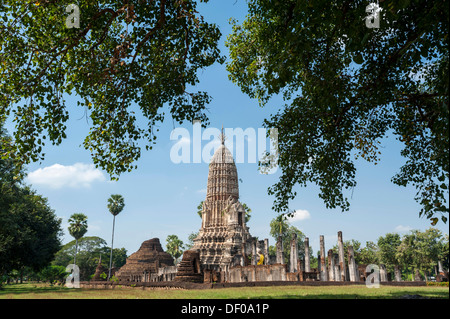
112,243
76,250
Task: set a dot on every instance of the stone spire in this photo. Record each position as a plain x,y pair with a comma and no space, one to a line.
223,228
222,137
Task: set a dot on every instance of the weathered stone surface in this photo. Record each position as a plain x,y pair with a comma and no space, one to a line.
312,275
307,257
383,273
224,239
397,273
190,269
99,270
266,252
342,267
417,275
323,266
144,262
352,268
331,265
293,262
280,253
276,272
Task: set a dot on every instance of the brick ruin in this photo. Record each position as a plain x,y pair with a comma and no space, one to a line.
149,263
224,250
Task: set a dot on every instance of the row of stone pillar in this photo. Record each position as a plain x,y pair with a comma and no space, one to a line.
334,270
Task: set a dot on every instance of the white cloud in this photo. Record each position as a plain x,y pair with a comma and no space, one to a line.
78,175
402,229
300,214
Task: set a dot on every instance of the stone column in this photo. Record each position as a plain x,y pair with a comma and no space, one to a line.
254,254
266,251
300,265
330,265
280,255
440,267
337,271
307,260
352,264
397,273
417,276
383,273
294,254
323,266
243,253
319,266
342,267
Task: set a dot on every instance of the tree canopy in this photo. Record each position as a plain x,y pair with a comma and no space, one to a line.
77,225
126,58
346,87
91,248
175,246
30,232
116,203
280,226
422,250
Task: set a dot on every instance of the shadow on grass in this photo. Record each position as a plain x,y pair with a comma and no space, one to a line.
410,294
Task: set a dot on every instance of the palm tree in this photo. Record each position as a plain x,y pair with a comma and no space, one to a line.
174,246
115,206
77,228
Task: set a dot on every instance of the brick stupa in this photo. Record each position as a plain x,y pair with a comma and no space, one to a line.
145,261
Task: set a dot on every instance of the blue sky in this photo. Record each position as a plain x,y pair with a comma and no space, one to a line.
161,197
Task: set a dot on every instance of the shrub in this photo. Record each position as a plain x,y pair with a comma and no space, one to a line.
439,284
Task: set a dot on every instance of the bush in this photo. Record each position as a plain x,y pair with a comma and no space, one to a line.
53,274
439,284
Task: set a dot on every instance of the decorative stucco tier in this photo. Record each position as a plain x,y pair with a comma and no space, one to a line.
223,236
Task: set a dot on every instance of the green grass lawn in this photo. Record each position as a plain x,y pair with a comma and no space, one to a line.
44,291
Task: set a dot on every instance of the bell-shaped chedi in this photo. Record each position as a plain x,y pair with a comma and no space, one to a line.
145,261
99,271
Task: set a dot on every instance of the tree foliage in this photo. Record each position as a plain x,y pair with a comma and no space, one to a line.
175,246
116,203
422,250
347,87
90,249
388,249
77,225
127,58
280,226
53,274
30,232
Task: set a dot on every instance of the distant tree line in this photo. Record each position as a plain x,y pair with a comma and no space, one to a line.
30,232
